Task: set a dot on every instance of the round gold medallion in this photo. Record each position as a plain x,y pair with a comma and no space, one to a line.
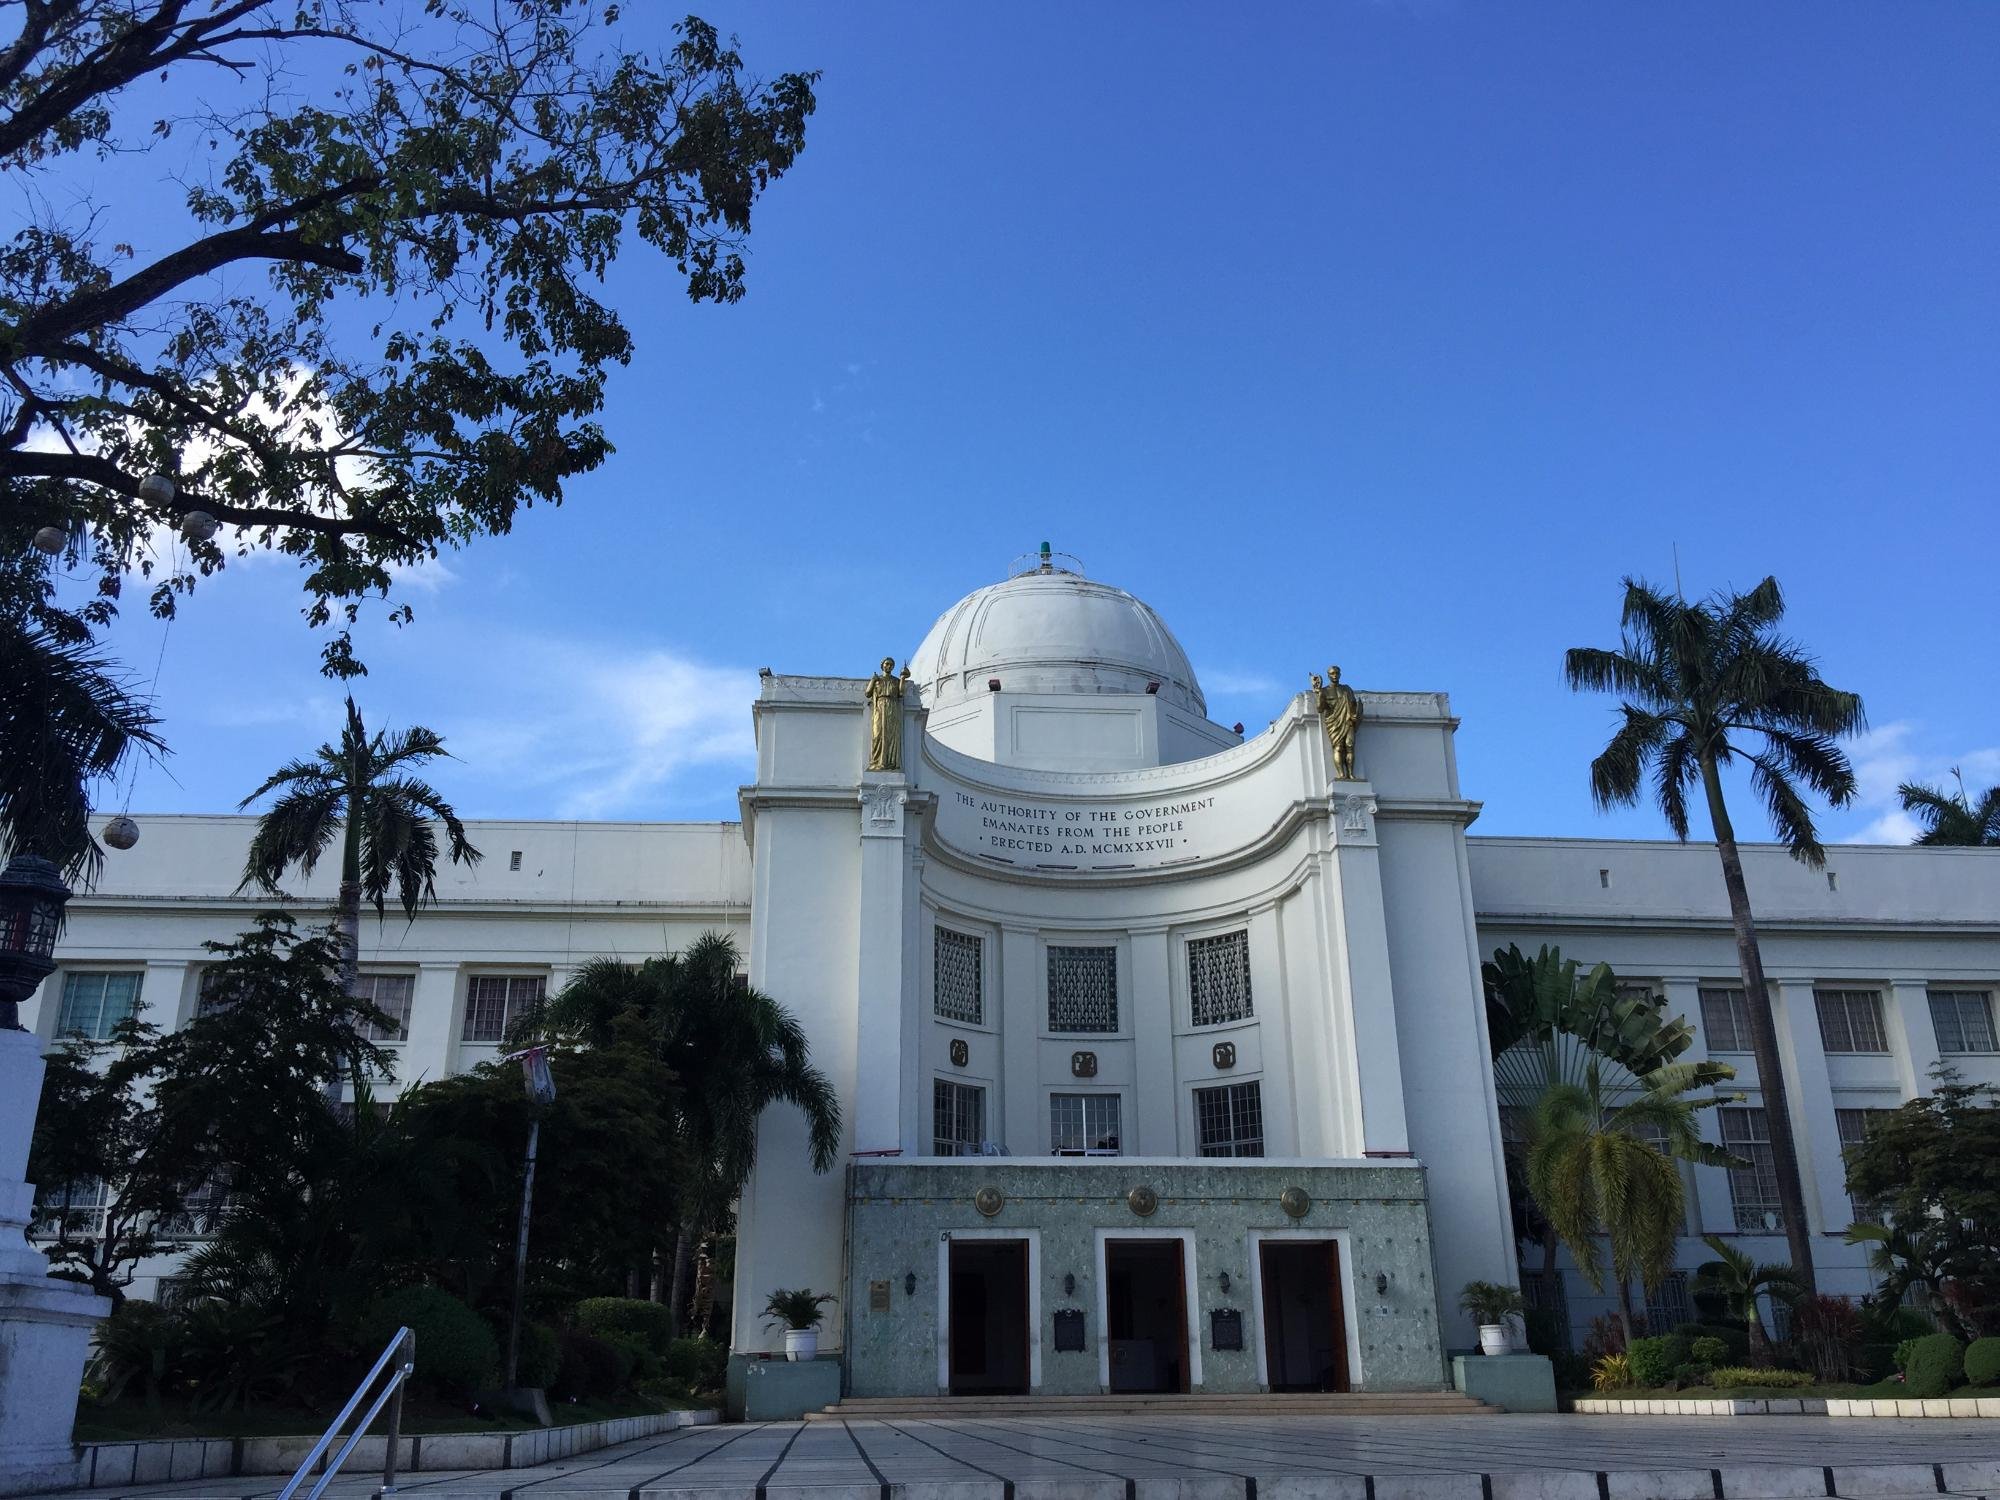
989,1200
1142,1201
1295,1201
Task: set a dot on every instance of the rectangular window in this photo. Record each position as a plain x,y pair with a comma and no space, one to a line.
1219,978
201,1212
1230,1120
390,994
494,1002
1963,1020
1753,1189
1083,989
1668,1304
957,988
958,1118
76,1207
1083,1124
1725,1018
1853,1125
1851,1021
93,1004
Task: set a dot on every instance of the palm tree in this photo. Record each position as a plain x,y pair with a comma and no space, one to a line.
1739,1281
1597,1165
733,1051
1707,685
358,789
1956,820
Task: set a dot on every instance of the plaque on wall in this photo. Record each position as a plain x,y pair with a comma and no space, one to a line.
1223,1054
1083,1064
878,1296
1225,1328
1069,1330
961,1054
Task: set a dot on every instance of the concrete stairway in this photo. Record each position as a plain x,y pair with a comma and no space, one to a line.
1342,1404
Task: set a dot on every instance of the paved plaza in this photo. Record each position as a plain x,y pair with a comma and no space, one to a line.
1195,1458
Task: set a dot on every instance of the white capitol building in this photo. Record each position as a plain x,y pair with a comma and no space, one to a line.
1162,1054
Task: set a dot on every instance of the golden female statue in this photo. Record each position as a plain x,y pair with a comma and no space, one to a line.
885,716
1340,712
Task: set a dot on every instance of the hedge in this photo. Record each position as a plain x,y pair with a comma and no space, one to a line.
1776,1380
1937,1363
456,1351
1982,1362
650,1323
1654,1360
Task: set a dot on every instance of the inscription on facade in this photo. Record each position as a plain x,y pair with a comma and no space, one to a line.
1100,836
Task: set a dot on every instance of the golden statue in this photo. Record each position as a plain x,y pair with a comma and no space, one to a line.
885,716
1340,712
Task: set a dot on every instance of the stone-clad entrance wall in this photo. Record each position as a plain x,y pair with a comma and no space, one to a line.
902,1216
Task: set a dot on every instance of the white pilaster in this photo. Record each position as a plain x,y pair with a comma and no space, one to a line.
1023,1122
880,948
1154,1009
1914,1037
1709,1207
1358,938
1809,1092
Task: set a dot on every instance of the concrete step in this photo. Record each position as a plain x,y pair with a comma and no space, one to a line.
1331,1404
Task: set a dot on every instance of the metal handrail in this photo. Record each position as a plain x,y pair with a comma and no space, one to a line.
391,1394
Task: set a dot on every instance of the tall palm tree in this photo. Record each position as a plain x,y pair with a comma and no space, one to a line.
1949,819
733,1051
359,790
1597,1164
1707,685
1740,1281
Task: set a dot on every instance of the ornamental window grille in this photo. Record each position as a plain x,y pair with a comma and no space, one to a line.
958,1118
1083,1124
1230,1120
1543,1291
1963,1020
1854,1125
1668,1305
74,1208
957,990
1753,1188
200,1213
1083,989
1851,1021
494,1002
1725,1017
93,1004
1219,978
390,994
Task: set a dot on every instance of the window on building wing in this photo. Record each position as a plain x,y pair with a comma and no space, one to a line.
1083,989
1219,978
1229,1121
1854,1125
957,986
1753,1188
94,1003
958,1118
1963,1020
1851,1021
1725,1019
1083,1124
494,1002
390,994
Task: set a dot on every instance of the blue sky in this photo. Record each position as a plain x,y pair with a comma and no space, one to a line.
1389,334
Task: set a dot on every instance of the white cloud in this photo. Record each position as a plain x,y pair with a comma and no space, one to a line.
1238,684
1886,757
427,575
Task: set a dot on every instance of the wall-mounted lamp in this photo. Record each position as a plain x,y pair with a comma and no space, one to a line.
1152,687
1381,1283
1069,1283
992,684
909,1283
1223,1282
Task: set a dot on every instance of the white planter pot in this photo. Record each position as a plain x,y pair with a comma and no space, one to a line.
801,1343
1496,1338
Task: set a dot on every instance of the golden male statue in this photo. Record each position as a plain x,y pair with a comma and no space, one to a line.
885,716
1340,712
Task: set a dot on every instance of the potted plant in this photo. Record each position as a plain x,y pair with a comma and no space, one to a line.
800,1313
1493,1307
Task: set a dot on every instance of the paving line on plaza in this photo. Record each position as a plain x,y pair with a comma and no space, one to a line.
634,1492
848,1427
779,1459
616,1458
1007,1491
1131,1481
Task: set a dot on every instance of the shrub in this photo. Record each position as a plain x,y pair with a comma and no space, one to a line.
456,1351
1904,1350
1612,1372
1937,1363
1875,1362
699,1364
237,1355
1654,1360
588,1366
1572,1371
1695,1372
651,1323
1826,1332
1708,1350
1776,1380
636,1359
142,1342
541,1356
1606,1336
1982,1362
1735,1338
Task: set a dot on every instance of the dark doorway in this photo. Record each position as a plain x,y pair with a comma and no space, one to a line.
989,1317
1305,1335
1145,1309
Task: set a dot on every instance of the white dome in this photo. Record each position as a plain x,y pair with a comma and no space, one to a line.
1052,631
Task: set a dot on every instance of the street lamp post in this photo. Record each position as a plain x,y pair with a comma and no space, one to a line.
45,1324
541,1086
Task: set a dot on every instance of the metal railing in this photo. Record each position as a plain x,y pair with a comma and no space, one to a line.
402,1354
